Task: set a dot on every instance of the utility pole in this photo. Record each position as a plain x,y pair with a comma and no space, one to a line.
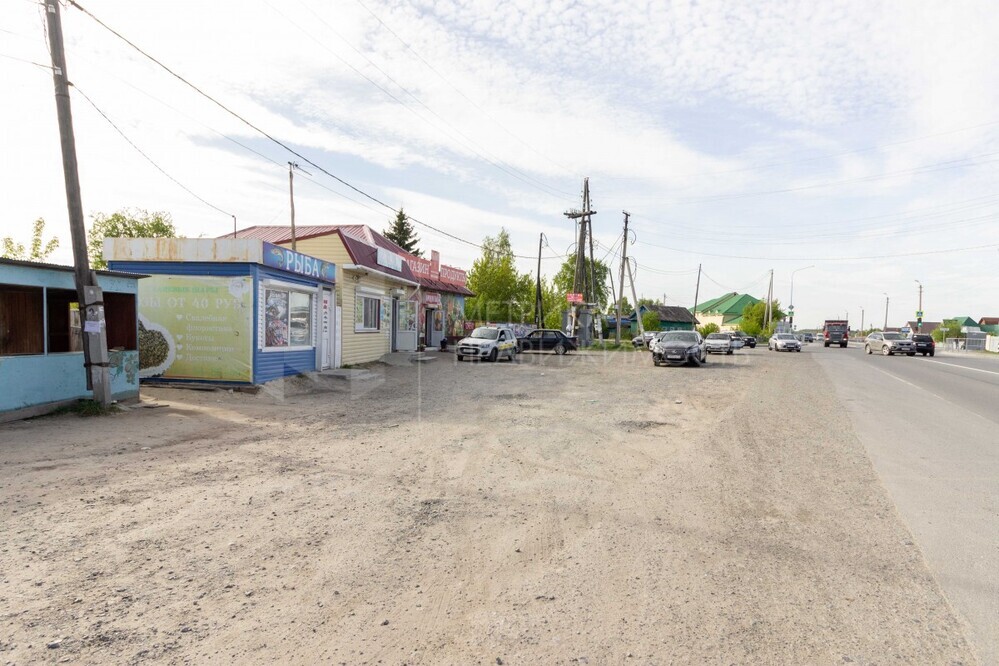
620,296
234,226
886,313
291,194
580,277
539,315
861,321
770,300
638,314
697,293
90,296
919,315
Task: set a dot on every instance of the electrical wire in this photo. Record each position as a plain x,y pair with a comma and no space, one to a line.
270,137
28,62
147,157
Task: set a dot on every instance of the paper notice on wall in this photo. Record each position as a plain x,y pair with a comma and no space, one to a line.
92,326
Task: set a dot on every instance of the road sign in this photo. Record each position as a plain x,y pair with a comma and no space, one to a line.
574,298
905,329
919,314
790,308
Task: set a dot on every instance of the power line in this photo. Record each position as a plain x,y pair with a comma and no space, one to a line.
269,136
28,62
148,158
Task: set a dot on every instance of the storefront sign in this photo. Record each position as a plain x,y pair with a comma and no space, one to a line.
196,327
431,298
453,275
431,269
574,298
389,259
295,262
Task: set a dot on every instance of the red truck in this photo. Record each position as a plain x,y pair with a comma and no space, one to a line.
835,332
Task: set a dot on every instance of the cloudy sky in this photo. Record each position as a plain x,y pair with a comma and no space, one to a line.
860,139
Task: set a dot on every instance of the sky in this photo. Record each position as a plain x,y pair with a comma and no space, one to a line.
853,146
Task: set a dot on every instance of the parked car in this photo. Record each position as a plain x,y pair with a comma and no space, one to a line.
809,337
548,339
741,340
784,342
719,343
888,344
750,342
679,348
924,344
488,342
643,340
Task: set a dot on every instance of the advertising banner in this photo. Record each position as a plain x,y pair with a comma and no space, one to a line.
196,328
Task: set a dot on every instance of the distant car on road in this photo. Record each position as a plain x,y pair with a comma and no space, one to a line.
742,340
488,342
643,340
719,343
784,342
835,332
924,344
889,344
809,337
547,339
750,342
679,348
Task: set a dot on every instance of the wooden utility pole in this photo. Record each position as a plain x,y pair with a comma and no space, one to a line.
89,295
580,283
770,300
620,296
697,293
638,313
539,314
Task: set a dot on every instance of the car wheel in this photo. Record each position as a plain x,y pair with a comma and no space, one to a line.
460,357
655,361
931,354
493,355
867,349
798,350
826,344
559,349
843,346
729,352
696,362
910,353
885,350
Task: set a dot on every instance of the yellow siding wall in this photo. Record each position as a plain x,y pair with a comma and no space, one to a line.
356,347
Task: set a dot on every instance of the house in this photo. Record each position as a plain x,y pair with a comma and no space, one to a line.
968,325
724,311
229,311
41,345
927,328
988,321
671,318
390,300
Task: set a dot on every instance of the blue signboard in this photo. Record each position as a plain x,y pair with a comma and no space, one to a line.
276,256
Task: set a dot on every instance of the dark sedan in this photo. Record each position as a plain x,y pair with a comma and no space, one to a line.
679,348
547,339
924,344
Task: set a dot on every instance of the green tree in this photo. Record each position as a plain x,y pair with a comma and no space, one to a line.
650,320
753,317
403,234
949,328
126,223
501,293
566,274
708,329
39,249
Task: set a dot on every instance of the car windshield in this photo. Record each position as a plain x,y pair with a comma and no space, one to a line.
718,336
680,336
893,336
785,336
485,333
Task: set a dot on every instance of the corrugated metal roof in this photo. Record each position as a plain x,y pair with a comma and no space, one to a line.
68,269
282,233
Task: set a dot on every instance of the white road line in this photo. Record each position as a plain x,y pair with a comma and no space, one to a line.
962,367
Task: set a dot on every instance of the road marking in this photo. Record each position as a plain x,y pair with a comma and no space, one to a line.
962,367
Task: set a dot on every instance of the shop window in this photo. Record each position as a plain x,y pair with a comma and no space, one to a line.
288,319
119,312
22,322
64,321
368,313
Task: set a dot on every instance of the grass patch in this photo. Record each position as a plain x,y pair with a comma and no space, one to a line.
613,346
88,408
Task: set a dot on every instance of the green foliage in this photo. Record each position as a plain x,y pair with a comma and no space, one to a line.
501,293
650,320
126,223
610,345
648,301
754,315
403,234
708,329
564,278
949,328
38,251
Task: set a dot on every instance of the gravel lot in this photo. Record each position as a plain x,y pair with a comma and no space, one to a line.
588,509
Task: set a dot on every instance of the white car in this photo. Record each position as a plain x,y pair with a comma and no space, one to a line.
719,343
488,342
784,342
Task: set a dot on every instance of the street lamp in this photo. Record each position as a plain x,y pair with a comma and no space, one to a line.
791,300
919,313
861,320
886,312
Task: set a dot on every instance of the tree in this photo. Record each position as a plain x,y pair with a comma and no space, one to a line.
650,320
403,234
126,223
708,329
601,272
949,328
501,293
754,315
39,250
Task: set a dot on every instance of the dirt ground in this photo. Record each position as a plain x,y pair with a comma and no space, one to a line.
590,509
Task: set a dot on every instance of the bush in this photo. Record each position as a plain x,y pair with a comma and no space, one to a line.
708,329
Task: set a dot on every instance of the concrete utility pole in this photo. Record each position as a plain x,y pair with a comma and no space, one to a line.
291,194
539,314
919,317
861,321
620,296
580,284
770,300
638,312
886,312
89,295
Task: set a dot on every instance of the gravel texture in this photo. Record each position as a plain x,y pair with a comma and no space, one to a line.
588,509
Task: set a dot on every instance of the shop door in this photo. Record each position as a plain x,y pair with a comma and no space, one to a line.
395,324
327,330
405,326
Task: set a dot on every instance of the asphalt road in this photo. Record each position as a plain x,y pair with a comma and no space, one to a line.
931,428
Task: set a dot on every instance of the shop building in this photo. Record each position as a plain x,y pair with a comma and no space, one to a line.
386,293
41,343
229,311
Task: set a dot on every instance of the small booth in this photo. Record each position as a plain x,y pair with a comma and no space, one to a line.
41,343
441,299
229,311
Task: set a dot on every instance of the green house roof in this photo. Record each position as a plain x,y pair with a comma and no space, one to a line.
729,305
